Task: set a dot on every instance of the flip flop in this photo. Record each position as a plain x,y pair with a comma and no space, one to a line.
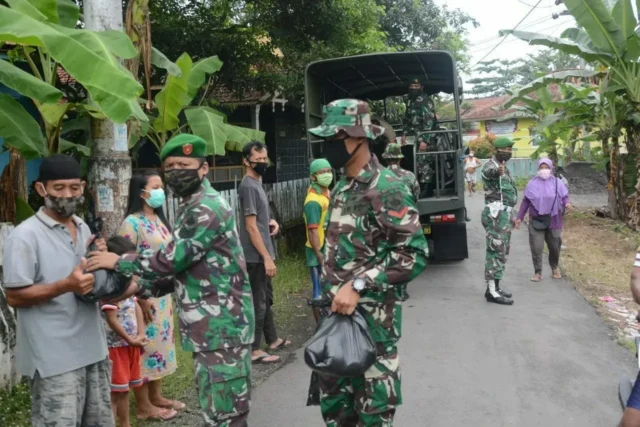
163,415
262,360
536,278
285,343
557,275
175,404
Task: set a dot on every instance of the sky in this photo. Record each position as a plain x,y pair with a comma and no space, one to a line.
496,15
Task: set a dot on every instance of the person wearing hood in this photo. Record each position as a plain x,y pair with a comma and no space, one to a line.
545,200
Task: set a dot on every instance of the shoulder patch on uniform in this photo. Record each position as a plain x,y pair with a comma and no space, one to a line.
399,214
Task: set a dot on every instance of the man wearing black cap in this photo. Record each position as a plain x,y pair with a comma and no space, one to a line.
61,343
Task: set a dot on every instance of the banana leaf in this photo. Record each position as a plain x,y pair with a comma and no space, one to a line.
596,19
23,210
590,54
199,73
210,127
19,130
161,61
173,97
545,81
84,54
26,84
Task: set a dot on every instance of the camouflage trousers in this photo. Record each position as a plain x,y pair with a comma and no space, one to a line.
78,398
223,380
367,401
498,243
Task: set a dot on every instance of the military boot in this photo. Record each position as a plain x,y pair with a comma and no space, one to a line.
502,291
492,294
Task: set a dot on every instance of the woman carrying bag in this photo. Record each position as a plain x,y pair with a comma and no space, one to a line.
545,199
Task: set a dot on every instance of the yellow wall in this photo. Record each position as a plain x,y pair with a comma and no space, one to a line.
522,147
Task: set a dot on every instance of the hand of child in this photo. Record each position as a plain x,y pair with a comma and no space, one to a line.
139,341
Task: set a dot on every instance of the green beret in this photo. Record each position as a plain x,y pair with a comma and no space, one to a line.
184,145
318,165
503,142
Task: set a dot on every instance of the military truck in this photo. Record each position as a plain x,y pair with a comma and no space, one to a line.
377,77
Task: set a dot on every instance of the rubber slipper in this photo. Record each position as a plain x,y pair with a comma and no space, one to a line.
557,275
164,415
536,278
284,343
175,404
262,360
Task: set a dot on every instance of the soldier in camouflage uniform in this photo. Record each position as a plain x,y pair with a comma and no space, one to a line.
420,113
424,168
374,246
500,199
393,155
213,293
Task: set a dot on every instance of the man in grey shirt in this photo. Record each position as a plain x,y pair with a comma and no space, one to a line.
61,344
256,237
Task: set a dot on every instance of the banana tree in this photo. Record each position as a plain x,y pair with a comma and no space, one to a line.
607,37
42,34
174,111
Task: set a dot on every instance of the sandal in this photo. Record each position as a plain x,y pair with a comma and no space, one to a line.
557,274
284,343
262,360
163,415
175,404
536,278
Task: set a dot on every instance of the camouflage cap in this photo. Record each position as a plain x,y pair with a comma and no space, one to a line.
503,142
393,151
350,116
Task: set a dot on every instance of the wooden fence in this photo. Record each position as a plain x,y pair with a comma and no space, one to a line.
285,198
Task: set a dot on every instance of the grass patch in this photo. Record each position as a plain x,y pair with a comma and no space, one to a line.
599,254
15,406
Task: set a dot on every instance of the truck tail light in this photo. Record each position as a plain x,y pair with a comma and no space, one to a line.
442,218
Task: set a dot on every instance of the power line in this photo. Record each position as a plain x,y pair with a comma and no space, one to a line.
532,24
506,35
555,26
541,7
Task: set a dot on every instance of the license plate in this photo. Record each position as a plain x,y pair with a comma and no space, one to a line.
426,229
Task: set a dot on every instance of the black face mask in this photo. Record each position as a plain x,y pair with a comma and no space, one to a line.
260,168
183,182
335,151
503,157
414,93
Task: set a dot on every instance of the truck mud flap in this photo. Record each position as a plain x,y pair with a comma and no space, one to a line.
449,242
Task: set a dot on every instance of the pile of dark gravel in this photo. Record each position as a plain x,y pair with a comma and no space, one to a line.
584,179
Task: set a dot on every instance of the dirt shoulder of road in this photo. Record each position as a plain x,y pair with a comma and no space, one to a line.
597,256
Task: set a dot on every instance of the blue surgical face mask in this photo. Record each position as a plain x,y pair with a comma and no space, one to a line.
156,198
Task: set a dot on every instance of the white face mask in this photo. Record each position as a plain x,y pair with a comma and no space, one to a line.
544,173
471,154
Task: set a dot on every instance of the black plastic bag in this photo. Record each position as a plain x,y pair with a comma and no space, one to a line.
342,347
313,397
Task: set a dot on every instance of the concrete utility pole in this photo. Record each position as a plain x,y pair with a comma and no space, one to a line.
110,164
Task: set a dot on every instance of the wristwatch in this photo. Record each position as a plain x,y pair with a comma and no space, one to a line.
359,285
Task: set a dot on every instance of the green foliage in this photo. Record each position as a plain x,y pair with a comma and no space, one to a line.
498,76
15,406
482,146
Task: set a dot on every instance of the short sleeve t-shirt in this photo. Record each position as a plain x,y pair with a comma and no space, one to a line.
254,201
316,206
64,333
636,263
126,317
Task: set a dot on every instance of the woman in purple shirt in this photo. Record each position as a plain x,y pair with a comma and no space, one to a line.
544,195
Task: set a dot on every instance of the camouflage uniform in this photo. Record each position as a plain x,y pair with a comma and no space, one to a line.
373,233
497,188
214,303
420,115
394,152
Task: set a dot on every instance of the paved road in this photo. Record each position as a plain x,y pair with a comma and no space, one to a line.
549,360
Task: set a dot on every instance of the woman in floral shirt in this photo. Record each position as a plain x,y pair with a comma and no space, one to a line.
147,227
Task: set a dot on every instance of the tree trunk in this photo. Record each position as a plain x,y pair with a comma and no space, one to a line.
613,168
8,375
13,184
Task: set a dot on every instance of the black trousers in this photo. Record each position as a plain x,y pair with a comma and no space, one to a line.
262,303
